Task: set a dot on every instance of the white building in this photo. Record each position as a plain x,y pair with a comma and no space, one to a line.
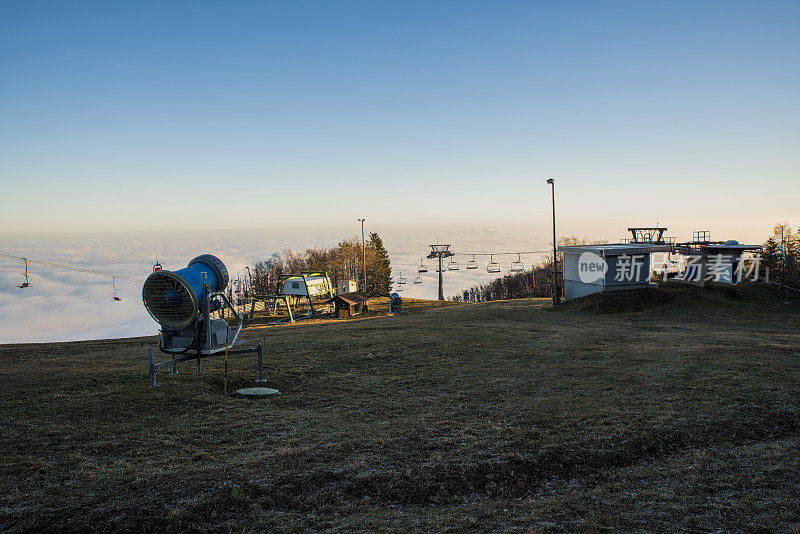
346,286
608,267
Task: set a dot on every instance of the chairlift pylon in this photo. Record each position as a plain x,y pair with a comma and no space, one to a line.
517,266
492,266
472,264
422,268
27,282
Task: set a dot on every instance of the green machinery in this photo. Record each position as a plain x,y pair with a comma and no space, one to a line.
292,288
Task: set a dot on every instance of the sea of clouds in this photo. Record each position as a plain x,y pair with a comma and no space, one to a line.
63,305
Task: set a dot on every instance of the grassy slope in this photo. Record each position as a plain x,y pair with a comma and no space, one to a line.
500,415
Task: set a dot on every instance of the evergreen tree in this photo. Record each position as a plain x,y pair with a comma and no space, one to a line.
793,263
771,256
379,277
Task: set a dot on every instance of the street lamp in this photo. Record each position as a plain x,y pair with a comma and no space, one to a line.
364,255
556,295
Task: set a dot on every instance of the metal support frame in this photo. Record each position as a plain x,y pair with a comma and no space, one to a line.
648,234
183,355
153,366
276,299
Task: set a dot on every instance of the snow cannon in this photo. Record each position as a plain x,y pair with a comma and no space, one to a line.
395,304
190,305
175,298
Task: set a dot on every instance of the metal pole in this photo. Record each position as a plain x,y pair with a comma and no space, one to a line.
784,251
151,367
260,378
364,255
225,380
441,289
556,295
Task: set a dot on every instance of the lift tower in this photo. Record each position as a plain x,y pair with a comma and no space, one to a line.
440,251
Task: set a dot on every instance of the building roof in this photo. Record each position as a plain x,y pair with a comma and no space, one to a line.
350,298
730,246
617,249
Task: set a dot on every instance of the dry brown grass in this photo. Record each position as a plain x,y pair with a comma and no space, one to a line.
496,416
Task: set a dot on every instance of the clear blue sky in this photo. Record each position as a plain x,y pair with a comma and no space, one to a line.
128,115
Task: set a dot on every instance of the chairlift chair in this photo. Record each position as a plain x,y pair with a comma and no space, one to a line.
517,266
418,279
422,267
27,282
452,265
472,264
114,284
400,280
492,266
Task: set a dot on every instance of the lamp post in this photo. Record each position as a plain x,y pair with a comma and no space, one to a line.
556,295
364,256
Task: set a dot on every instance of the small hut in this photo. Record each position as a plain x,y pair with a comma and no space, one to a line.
347,305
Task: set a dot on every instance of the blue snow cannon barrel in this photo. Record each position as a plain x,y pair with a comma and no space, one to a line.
395,304
174,298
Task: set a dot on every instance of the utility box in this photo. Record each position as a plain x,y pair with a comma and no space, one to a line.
346,286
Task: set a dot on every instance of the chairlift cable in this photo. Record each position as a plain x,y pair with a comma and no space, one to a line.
69,268
504,253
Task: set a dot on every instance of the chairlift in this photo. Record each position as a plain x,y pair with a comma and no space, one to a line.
492,267
400,280
27,282
418,279
157,266
422,268
472,264
517,266
114,284
452,265
398,290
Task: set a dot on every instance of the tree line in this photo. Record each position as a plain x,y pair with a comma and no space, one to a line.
343,261
781,253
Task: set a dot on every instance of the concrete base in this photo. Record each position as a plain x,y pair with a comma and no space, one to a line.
256,393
